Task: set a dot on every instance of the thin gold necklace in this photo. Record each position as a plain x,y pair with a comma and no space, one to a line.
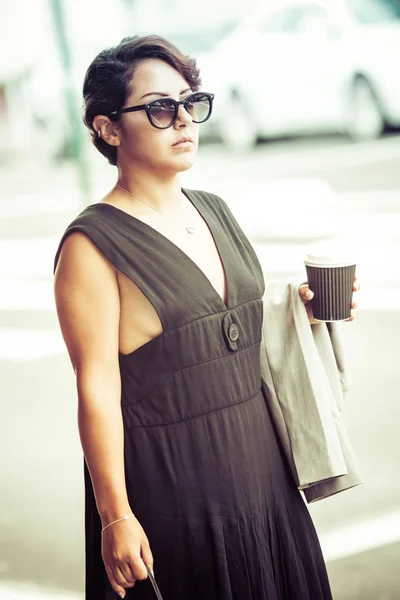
189,228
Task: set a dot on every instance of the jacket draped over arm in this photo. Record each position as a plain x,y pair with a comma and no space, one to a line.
304,382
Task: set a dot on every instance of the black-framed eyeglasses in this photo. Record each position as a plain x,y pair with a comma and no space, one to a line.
163,112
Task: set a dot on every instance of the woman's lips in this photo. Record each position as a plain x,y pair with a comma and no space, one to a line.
186,144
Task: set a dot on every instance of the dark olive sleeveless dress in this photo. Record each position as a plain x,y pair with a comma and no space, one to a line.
205,474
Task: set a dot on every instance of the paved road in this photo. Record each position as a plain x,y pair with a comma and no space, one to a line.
286,197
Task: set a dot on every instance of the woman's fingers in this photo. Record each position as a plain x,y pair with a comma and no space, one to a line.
147,555
305,293
356,285
117,587
137,567
352,317
124,575
354,303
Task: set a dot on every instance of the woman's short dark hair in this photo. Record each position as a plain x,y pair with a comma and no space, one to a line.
107,81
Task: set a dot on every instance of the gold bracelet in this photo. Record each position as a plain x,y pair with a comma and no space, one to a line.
117,521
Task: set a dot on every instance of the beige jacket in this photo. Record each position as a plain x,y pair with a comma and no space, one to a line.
304,383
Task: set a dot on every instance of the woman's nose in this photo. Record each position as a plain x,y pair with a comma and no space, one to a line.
183,115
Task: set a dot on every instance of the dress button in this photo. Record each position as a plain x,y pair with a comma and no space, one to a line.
233,332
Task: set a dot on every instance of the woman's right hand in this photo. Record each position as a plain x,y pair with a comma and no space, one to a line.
126,551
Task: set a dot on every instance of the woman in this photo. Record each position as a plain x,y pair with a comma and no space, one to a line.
159,298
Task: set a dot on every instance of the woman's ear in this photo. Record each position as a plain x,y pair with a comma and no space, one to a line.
106,129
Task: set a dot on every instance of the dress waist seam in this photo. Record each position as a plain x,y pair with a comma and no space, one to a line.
135,404
209,412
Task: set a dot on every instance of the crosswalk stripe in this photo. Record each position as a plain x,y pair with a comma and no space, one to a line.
26,345
13,591
360,537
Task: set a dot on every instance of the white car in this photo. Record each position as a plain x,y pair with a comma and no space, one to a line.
298,66
200,43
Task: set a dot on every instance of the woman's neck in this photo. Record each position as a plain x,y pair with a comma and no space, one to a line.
161,192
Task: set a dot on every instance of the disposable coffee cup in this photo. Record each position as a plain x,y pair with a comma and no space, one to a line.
331,278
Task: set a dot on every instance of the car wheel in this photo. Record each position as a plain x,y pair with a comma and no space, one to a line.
365,119
237,129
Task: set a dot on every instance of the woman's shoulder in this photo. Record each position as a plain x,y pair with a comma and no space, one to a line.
205,194
88,216
89,222
209,198
216,203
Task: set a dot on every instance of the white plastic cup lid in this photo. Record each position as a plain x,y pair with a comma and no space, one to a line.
330,256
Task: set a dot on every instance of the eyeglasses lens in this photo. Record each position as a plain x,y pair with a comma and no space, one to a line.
162,113
198,107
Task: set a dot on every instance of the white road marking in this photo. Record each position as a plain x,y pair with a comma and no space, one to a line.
25,205
360,537
13,591
296,159
28,257
22,345
28,295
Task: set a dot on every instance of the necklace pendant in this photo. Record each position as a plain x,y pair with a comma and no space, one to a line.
190,229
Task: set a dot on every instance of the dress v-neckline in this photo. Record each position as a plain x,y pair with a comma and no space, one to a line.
182,253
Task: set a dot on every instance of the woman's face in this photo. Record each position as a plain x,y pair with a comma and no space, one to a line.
140,142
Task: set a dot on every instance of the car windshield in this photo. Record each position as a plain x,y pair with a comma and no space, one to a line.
200,42
375,12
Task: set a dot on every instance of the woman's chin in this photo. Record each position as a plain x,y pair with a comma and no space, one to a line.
184,163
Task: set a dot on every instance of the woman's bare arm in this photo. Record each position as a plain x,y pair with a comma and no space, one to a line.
87,301
88,308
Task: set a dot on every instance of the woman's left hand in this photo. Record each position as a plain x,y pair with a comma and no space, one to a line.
307,295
